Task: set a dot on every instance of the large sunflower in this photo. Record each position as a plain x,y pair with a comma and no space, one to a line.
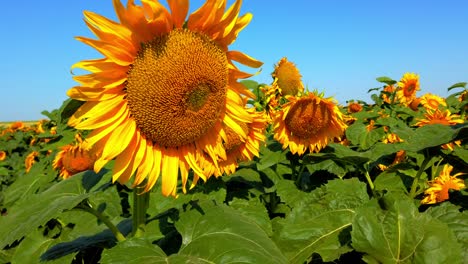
432,101
164,90
444,117
308,122
407,87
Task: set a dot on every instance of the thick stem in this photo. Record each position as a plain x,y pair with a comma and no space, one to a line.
412,193
369,180
140,205
118,235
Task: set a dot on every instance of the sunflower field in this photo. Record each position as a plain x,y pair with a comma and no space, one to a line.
168,152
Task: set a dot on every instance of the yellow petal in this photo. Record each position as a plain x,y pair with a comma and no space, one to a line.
244,59
179,10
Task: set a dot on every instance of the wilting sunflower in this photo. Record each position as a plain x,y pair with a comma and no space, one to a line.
438,190
308,122
407,87
164,90
30,160
444,117
2,155
432,101
74,158
287,78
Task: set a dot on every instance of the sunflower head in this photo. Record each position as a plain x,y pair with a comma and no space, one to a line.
17,126
30,160
387,93
2,155
165,91
73,159
432,101
407,87
308,122
444,117
354,107
287,77
438,190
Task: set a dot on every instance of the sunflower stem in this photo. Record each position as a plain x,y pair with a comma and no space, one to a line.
87,208
412,193
369,180
299,175
140,205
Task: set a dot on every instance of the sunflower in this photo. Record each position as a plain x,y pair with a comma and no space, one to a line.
400,156
407,87
451,145
74,158
287,78
432,101
164,90
387,93
30,160
308,122
438,190
444,117
354,107
17,126
237,148
2,155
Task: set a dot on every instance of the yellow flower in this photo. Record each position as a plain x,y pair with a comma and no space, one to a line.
308,122
407,87
287,77
439,117
73,159
387,92
451,146
17,126
164,90
392,138
237,148
400,156
438,190
432,101
2,155
354,107
30,160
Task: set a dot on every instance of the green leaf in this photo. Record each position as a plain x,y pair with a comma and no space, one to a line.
389,181
134,251
321,221
270,157
34,245
30,213
400,234
430,136
386,80
457,221
457,85
219,234
254,210
360,136
328,165
461,153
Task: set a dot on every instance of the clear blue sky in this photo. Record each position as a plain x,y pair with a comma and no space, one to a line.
340,47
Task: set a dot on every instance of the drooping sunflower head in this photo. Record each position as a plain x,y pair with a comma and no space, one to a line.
308,122
165,89
438,190
287,77
444,117
74,158
432,101
407,87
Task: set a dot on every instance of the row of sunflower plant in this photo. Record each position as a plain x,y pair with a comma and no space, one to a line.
162,154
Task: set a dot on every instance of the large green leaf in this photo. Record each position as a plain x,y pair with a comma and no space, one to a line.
34,245
359,135
457,221
429,136
134,251
219,234
28,214
400,234
254,210
321,221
